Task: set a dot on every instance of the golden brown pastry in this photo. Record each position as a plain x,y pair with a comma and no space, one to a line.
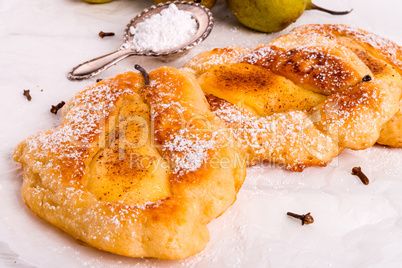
134,169
256,89
381,55
330,78
289,138
207,59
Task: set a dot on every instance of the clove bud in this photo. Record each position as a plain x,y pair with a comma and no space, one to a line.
56,108
27,94
305,218
358,172
366,78
103,34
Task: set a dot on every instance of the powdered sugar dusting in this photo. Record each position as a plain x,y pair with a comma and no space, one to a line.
71,141
323,67
384,47
206,60
276,138
182,140
188,150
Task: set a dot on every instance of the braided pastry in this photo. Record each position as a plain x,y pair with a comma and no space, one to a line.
139,169
110,178
304,97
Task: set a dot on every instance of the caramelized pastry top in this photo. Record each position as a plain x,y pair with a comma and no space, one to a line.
135,170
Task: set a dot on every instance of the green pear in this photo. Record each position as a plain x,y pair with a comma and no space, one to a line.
272,15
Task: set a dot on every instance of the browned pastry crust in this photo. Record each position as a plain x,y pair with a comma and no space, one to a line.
378,46
377,53
139,170
110,178
210,58
338,79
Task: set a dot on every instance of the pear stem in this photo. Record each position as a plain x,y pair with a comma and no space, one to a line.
313,6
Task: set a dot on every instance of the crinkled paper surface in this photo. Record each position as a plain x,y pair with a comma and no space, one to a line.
355,225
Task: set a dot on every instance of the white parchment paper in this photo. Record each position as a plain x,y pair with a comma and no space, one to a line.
355,225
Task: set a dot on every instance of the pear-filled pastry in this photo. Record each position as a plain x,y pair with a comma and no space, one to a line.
304,97
135,169
142,163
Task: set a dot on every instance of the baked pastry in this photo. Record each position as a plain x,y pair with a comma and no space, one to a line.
134,169
382,56
139,169
304,97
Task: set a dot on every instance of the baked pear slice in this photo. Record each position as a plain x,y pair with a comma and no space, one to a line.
134,169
